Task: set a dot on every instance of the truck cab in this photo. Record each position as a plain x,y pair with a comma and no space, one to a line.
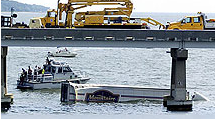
199,22
50,19
188,23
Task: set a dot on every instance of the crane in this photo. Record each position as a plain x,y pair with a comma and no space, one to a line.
114,17
74,5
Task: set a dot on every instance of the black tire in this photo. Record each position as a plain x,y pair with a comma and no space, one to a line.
176,29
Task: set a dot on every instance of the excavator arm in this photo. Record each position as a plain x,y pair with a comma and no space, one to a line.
107,11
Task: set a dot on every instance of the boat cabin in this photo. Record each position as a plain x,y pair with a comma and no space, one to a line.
59,70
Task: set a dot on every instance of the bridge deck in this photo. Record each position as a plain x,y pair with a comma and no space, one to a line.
107,38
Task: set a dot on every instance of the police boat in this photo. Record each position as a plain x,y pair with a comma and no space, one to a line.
50,76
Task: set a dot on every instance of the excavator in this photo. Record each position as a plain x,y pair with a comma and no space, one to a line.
118,17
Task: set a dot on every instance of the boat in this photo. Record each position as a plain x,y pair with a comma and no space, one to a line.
50,76
62,53
101,93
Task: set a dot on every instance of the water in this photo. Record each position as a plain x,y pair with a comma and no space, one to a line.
123,66
127,66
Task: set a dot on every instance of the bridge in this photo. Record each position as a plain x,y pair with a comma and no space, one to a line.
178,41
135,38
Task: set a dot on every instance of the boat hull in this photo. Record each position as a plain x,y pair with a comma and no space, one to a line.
47,85
62,54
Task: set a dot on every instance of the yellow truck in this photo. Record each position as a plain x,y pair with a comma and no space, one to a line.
199,22
50,20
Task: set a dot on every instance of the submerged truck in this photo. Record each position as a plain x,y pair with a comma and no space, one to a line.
199,22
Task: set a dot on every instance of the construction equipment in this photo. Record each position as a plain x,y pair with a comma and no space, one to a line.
50,20
153,22
118,17
199,22
7,21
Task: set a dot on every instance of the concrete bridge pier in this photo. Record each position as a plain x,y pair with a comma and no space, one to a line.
6,98
179,97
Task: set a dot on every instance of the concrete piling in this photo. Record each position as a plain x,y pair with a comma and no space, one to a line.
6,98
178,101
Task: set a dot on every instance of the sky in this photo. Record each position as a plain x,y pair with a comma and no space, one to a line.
172,6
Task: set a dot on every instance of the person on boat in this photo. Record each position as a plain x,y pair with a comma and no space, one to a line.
48,61
23,70
29,73
66,49
23,76
35,70
43,72
39,70
29,70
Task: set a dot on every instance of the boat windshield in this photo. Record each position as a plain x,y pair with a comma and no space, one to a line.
67,69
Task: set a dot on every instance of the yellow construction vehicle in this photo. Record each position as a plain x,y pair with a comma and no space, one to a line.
118,17
198,22
96,18
49,21
153,22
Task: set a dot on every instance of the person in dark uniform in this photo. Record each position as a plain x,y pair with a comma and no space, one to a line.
48,61
29,73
